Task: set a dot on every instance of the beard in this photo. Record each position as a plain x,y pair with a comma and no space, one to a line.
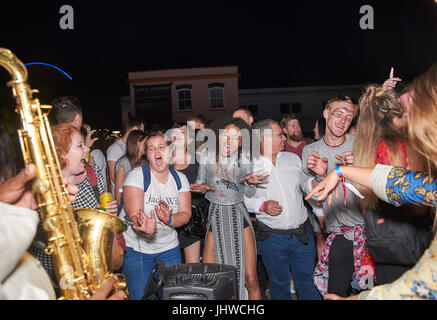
296,137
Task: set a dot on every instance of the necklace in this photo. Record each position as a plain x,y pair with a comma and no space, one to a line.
226,174
344,140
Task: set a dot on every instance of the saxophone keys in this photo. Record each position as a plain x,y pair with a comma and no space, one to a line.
49,250
50,224
40,186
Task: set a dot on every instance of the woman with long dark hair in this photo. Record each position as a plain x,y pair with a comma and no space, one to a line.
135,149
226,176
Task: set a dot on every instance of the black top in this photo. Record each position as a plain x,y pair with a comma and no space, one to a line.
191,173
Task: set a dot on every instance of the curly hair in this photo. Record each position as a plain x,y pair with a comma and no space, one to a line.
222,123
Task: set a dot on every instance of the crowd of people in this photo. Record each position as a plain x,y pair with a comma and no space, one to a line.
345,214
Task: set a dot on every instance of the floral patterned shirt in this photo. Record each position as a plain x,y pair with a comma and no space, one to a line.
420,282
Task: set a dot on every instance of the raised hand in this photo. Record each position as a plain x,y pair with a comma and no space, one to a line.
346,158
317,164
201,187
325,187
145,224
88,141
163,211
390,83
272,207
256,177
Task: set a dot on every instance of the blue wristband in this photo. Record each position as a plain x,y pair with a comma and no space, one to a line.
338,172
168,222
318,179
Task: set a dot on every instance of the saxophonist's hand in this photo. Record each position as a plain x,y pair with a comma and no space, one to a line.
105,290
18,189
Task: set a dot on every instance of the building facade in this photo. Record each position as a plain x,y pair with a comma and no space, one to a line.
306,102
167,96
174,95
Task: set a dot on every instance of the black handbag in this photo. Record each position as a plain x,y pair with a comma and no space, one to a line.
197,225
396,236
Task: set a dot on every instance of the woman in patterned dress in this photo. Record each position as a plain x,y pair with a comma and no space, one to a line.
226,176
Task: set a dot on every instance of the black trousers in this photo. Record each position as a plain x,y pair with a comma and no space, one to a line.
341,266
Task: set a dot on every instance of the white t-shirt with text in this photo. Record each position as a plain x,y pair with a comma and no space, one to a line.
166,236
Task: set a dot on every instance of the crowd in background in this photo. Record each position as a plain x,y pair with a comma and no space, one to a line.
266,214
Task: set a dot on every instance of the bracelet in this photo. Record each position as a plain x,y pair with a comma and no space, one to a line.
340,175
149,236
338,172
168,222
318,179
262,207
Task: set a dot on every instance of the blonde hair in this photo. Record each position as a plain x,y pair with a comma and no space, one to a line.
339,98
423,114
423,119
377,108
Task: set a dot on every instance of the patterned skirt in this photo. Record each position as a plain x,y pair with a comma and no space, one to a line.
227,223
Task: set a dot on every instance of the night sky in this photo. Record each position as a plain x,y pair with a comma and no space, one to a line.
302,43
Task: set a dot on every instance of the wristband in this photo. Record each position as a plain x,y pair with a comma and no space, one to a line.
318,179
149,236
262,207
338,172
169,220
340,175
347,185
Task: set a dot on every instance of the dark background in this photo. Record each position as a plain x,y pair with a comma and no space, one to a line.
273,44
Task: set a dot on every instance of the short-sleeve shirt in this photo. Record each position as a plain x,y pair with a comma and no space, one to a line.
125,164
166,236
115,152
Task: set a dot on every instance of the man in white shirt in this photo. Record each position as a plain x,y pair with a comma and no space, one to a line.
284,234
118,148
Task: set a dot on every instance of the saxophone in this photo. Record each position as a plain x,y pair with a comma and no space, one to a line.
81,249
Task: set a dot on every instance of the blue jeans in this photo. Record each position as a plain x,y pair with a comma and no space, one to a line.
280,252
137,267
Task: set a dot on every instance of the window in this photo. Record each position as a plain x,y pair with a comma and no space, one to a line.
184,97
285,108
296,107
290,108
217,95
